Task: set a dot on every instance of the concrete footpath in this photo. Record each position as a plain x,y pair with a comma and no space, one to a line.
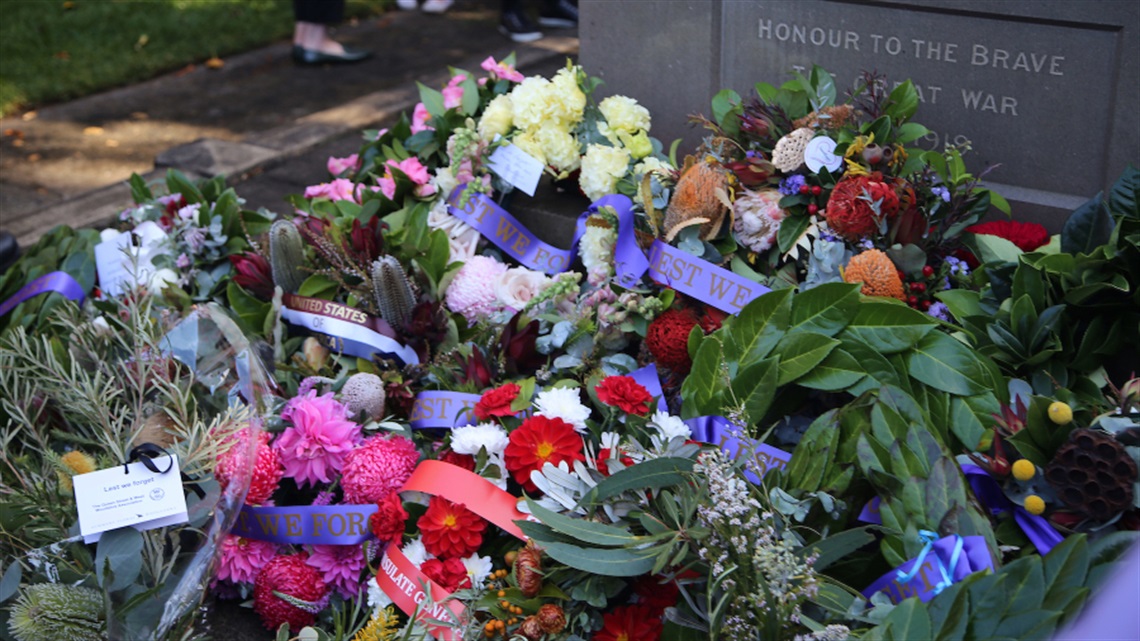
263,122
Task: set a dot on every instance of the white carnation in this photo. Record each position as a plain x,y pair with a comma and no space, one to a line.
377,599
597,248
669,427
470,438
416,552
563,403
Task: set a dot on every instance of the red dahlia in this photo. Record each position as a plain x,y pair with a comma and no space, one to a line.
387,522
451,575
497,402
540,440
289,575
450,529
625,393
630,623
857,205
1027,236
668,339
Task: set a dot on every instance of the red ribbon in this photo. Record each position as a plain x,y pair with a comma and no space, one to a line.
405,585
475,492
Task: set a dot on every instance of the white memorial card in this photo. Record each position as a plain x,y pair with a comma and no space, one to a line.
134,496
516,167
820,152
128,258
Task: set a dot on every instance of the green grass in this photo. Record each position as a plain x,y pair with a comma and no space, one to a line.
52,50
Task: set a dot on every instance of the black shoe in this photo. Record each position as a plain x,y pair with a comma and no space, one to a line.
303,56
516,26
9,250
559,14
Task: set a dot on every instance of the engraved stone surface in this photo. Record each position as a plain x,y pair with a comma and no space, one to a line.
1048,90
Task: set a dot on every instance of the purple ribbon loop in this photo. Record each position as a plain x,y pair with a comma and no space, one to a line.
442,409
58,282
701,279
647,377
942,563
306,525
503,229
719,431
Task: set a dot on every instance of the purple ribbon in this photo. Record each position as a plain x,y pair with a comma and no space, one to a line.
1040,533
941,564
718,430
1043,536
306,525
442,409
647,377
701,279
59,282
503,229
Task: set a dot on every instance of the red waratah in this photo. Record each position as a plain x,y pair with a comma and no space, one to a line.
668,339
858,204
291,576
1027,236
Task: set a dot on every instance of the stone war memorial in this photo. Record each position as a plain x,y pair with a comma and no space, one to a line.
717,331
1048,90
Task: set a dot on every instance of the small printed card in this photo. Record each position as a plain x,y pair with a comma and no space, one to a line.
820,152
516,167
114,498
127,259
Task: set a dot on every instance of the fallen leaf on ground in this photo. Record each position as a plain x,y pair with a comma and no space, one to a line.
68,6
19,142
61,55
13,133
215,63
143,39
34,158
185,70
93,131
139,115
31,115
112,143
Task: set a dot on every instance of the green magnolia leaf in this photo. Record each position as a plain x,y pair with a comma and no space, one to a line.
902,103
964,423
140,192
121,551
825,309
790,231
178,183
759,326
648,475
839,371
756,386
994,249
703,389
724,102
583,530
944,490
318,286
814,454
1066,569
1124,197
610,562
910,132
800,352
432,99
250,311
1086,228
946,364
908,621
838,546
962,303
950,614
889,328
470,101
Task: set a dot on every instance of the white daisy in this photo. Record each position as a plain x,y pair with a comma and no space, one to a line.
563,403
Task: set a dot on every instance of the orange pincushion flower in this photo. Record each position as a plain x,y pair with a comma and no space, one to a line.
877,273
450,530
540,440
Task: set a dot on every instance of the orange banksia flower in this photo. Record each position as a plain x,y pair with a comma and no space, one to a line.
877,273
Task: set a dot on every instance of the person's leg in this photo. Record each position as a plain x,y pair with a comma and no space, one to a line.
559,14
514,23
311,41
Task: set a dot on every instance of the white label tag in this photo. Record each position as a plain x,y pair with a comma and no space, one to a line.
820,152
111,498
516,167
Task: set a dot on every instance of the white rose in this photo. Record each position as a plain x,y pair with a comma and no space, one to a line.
518,285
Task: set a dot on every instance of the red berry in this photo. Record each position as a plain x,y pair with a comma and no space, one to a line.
925,305
919,287
816,190
902,276
912,301
813,209
928,271
804,189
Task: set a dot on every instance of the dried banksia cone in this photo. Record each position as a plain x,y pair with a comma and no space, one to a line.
700,197
393,292
833,118
1093,474
286,255
528,571
364,391
877,272
788,155
552,618
57,612
531,628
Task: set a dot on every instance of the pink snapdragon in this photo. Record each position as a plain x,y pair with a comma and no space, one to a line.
453,92
501,70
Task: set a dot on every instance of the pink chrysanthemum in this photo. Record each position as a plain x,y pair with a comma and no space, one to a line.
376,468
267,469
340,567
472,293
242,559
314,448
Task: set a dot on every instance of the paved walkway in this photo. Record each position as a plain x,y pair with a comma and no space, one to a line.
265,123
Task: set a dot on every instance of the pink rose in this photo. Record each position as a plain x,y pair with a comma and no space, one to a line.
339,189
413,169
518,285
338,166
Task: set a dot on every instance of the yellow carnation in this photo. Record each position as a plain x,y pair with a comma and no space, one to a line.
623,114
567,100
601,168
497,118
559,147
529,102
528,142
638,144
